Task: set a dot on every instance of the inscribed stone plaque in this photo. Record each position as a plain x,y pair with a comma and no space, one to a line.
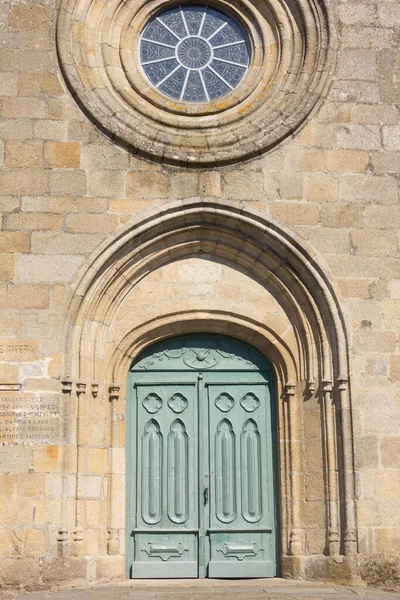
26,419
18,350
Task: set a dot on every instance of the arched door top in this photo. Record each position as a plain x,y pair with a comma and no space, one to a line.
200,352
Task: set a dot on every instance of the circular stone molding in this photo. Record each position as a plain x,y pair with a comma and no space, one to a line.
292,45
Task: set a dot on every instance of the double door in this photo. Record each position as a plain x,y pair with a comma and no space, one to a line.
201,495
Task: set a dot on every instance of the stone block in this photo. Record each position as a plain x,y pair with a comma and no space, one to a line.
23,182
145,185
8,84
30,484
365,242
47,204
15,459
97,460
91,223
8,204
111,568
31,221
6,485
210,184
14,241
183,185
366,453
8,373
370,114
23,108
88,204
346,161
47,459
109,184
70,183
62,155
358,137
10,323
48,242
321,187
329,240
387,485
89,486
320,135
373,38
357,12
385,163
30,17
10,542
382,217
244,185
34,542
390,449
312,514
11,569
387,540
6,267
357,63
24,154
341,215
97,433
302,159
37,268
389,75
391,137
49,130
295,213
28,296
289,185
16,129
36,84
63,569
103,157
25,62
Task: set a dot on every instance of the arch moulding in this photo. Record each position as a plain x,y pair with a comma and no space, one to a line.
311,364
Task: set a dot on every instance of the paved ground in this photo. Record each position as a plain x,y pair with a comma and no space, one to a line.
259,589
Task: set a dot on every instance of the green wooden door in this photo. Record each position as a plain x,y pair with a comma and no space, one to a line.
200,461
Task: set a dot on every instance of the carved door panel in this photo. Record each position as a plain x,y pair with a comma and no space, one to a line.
165,532
241,513
200,462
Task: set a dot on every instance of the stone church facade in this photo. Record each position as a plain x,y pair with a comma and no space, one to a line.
266,212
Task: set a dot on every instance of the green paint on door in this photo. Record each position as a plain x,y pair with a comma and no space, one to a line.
201,461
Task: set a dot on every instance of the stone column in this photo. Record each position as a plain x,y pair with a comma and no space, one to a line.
350,533
330,450
296,532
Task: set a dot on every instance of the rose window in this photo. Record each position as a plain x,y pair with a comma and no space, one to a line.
194,53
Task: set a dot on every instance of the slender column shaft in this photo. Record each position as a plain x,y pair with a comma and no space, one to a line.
350,534
333,508
296,533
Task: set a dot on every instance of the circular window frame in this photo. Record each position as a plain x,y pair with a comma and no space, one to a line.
230,97
262,59
293,45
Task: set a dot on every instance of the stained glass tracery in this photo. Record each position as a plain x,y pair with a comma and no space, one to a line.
194,53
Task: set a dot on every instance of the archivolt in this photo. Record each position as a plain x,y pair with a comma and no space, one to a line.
265,251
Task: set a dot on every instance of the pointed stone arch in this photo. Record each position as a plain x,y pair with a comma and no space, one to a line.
310,361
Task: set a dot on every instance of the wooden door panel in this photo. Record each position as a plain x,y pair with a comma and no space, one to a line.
241,517
165,530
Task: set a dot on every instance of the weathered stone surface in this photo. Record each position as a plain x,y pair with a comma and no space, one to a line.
103,252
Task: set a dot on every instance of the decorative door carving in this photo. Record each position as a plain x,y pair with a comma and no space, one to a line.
201,499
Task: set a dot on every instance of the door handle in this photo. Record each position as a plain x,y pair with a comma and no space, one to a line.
205,496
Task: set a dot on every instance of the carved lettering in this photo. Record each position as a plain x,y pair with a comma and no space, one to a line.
18,350
26,419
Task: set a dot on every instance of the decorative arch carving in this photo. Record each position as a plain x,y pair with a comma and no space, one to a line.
314,362
293,45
